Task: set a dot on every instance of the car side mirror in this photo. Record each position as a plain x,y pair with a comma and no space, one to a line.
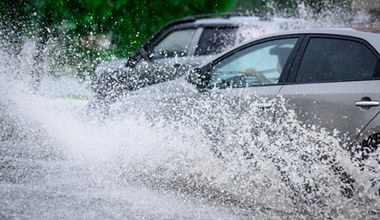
141,54
193,76
198,77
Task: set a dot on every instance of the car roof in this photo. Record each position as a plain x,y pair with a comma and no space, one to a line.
223,19
229,19
371,35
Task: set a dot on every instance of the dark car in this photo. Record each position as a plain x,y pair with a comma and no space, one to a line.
179,46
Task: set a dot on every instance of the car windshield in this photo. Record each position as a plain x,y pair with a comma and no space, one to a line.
177,43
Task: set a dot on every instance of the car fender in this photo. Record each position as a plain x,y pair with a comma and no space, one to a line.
372,128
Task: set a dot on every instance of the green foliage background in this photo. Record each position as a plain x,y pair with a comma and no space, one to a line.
128,22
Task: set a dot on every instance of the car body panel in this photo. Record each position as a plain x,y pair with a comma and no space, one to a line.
171,89
166,69
332,105
371,129
260,96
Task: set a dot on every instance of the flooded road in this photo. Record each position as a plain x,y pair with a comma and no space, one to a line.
59,162
68,190
53,165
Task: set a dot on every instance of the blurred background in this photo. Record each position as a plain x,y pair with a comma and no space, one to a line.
76,35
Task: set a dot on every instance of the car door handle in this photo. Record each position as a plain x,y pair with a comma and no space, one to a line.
365,103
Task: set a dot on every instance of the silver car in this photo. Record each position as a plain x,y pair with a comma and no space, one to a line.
331,77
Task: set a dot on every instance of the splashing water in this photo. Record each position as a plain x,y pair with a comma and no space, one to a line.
155,156
235,153
55,163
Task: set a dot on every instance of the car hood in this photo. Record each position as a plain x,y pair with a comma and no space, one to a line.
114,64
170,89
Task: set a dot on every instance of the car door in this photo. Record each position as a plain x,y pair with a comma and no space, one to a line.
334,84
256,71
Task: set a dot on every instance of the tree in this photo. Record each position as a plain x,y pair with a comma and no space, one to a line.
11,24
129,22
289,7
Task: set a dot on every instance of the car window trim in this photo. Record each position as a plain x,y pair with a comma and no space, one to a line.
207,25
195,41
288,64
297,61
177,25
164,33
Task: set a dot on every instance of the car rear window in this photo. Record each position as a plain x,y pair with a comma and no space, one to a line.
216,40
328,60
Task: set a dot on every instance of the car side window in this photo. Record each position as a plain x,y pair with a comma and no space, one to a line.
332,60
260,64
177,43
215,40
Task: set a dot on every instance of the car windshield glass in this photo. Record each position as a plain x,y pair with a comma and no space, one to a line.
215,40
256,65
177,43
